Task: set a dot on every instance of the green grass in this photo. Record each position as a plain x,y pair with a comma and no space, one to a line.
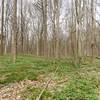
82,84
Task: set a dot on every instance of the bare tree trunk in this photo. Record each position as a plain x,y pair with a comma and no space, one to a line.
2,29
45,26
93,29
14,30
22,29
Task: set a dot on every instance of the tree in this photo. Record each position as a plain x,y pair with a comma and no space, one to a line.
93,29
45,26
2,29
14,30
22,28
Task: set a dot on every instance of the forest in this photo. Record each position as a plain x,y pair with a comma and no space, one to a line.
49,50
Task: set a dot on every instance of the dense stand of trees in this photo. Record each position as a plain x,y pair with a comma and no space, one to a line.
50,28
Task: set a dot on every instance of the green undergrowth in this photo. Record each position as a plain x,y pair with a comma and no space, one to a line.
28,67
32,93
82,84
81,87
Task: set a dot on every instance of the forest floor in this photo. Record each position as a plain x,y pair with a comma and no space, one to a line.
25,79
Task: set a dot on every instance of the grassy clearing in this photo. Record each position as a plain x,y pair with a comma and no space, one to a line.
83,83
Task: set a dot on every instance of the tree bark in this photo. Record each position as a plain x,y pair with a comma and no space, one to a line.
2,29
14,30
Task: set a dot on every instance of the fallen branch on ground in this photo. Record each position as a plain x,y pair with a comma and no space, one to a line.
63,81
39,97
48,82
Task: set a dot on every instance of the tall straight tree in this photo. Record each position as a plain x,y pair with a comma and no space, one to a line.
55,27
22,29
14,29
2,27
45,26
93,28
